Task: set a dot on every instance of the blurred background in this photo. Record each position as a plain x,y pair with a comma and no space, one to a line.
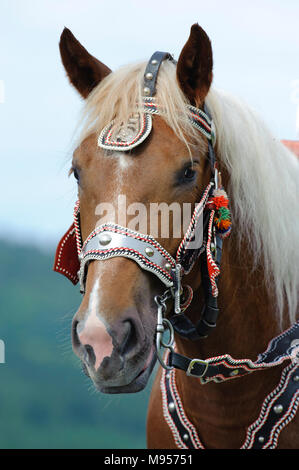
45,400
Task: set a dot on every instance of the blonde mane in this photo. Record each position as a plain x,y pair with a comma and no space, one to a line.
264,184
264,175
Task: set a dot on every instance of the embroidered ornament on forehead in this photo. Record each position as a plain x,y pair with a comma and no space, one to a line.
128,135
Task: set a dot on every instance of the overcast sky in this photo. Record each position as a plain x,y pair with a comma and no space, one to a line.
256,56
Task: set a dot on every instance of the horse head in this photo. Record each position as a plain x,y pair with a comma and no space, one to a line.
113,330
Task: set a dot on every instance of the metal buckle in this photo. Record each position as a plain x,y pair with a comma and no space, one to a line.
191,365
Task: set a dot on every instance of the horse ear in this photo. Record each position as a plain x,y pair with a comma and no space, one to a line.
83,70
195,66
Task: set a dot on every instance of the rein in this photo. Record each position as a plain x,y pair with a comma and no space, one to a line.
209,225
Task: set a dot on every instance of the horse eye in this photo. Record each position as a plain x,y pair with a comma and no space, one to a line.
76,174
189,174
186,175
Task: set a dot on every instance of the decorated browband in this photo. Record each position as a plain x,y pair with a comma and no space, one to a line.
126,136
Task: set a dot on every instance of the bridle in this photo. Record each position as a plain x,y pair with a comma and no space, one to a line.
201,238
112,240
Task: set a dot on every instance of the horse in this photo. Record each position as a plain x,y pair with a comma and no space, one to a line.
158,132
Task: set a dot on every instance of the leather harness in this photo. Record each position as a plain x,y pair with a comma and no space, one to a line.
109,240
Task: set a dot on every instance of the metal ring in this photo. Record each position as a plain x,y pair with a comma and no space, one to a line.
161,359
160,302
169,326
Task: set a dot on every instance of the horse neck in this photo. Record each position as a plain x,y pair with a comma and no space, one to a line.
245,325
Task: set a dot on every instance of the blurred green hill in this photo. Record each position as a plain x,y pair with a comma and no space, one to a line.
45,400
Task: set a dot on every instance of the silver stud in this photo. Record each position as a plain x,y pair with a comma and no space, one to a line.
149,251
185,437
278,409
296,378
105,239
149,76
154,62
234,372
146,91
261,439
168,266
171,406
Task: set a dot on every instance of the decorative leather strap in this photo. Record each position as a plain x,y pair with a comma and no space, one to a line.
110,240
277,410
207,322
220,368
191,245
183,431
152,70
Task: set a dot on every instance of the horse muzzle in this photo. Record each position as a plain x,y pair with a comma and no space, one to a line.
114,340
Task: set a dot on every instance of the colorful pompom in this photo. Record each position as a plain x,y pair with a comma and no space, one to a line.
219,203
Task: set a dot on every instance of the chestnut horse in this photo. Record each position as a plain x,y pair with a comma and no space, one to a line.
114,330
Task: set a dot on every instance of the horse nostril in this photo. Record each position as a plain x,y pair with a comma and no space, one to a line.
130,340
88,355
87,352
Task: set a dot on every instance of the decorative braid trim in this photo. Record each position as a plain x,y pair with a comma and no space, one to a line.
264,361
105,141
183,247
244,366
104,254
213,269
130,253
181,427
198,118
150,106
167,416
267,407
189,298
283,422
273,343
181,413
130,233
177,414
77,227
